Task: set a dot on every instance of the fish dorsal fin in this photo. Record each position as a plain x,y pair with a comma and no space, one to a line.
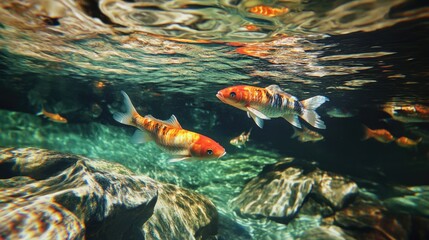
172,121
274,89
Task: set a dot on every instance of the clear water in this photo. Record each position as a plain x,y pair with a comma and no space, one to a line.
171,57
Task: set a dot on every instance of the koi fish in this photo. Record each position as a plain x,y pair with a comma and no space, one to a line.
268,11
254,51
241,140
407,143
381,135
272,102
408,113
251,27
306,135
169,135
55,117
339,113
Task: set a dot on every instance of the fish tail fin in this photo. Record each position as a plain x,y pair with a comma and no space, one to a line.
40,112
366,132
314,102
419,140
126,117
309,112
295,132
313,118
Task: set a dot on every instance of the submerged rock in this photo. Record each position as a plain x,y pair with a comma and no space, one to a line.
336,190
44,194
370,220
181,214
326,233
281,189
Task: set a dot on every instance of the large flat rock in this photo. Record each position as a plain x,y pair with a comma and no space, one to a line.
46,194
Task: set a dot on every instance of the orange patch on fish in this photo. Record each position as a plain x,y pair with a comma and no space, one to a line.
251,27
268,11
99,84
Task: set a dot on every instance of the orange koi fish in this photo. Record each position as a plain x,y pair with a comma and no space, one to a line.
408,113
381,135
272,102
254,51
268,11
251,27
169,135
55,117
407,143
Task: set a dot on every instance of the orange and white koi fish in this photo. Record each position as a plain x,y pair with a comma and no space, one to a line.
55,117
169,135
381,135
272,102
306,135
407,143
408,113
241,140
268,11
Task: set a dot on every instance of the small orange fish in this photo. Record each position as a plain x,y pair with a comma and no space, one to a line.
408,113
254,51
99,84
241,140
272,102
252,28
169,135
424,110
268,11
381,135
55,117
407,143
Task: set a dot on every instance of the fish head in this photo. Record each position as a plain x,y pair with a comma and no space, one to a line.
60,119
388,136
235,96
206,148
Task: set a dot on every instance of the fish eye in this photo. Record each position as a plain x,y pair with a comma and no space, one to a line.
232,94
209,152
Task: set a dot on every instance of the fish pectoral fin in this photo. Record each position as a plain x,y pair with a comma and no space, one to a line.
292,119
178,159
257,120
257,113
140,137
295,133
